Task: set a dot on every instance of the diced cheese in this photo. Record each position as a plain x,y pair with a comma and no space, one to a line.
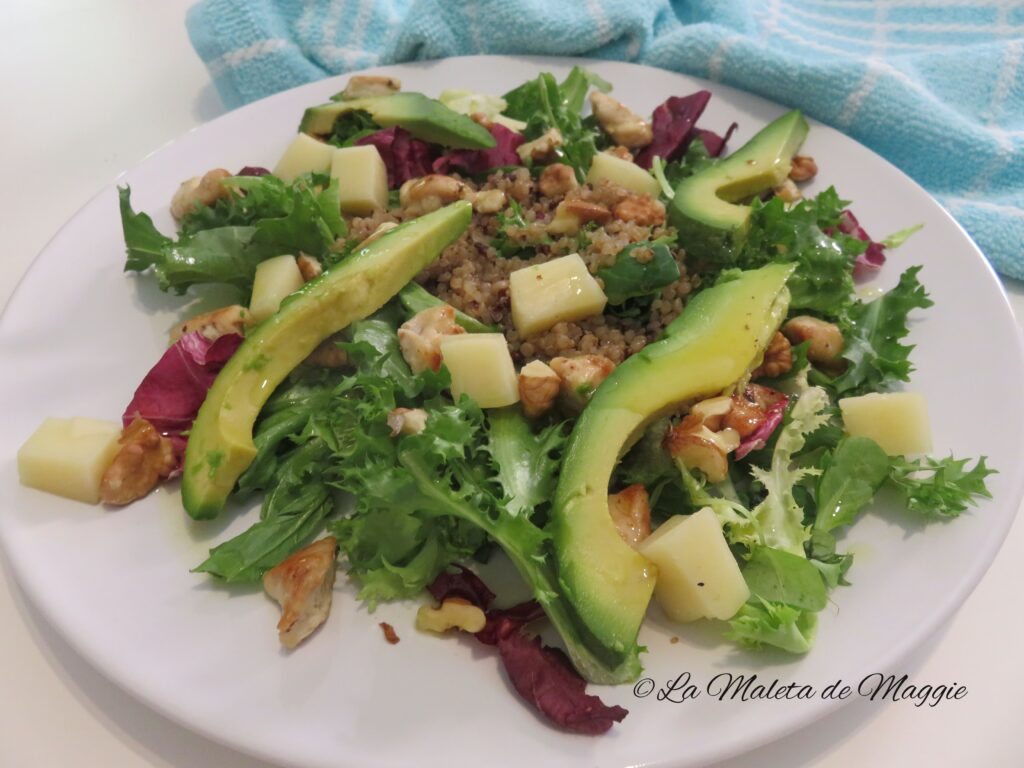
622,173
362,179
697,574
481,367
69,456
275,278
897,421
304,155
558,290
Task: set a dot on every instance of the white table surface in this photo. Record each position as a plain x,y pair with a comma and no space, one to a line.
89,88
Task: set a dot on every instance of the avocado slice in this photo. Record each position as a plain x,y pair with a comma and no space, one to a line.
220,444
319,120
719,338
425,118
705,208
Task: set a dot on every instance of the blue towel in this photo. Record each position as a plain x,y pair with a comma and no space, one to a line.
935,86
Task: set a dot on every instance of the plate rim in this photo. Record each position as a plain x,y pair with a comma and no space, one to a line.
743,743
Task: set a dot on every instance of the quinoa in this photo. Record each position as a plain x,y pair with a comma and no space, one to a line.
473,276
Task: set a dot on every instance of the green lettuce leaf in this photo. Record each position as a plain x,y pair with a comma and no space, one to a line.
543,103
938,488
853,474
873,331
225,243
823,280
761,622
779,517
527,462
782,577
630,278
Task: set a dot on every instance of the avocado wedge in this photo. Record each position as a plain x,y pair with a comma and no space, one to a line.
220,445
706,208
720,337
425,118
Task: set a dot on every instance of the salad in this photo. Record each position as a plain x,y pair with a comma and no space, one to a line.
538,326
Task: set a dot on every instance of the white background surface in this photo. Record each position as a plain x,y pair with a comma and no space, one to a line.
90,88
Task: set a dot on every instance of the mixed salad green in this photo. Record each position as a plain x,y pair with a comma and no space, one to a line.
474,481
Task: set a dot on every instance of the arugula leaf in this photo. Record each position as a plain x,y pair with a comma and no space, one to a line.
761,622
292,514
872,332
694,160
349,127
224,244
854,472
823,556
576,85
415,298
782,577
629,278
544,104
502,242
938,488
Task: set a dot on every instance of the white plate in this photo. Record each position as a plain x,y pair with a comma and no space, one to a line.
78,335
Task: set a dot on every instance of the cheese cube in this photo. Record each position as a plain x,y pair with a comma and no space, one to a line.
481,367
362,179
697,574
545,294
897,421
304,155
69,456
622,173
275,278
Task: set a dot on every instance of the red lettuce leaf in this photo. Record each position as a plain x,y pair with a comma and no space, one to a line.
546,679
713,142
673,127
543,676
464,584
476,161
758,439
503,621
405,157
171,393
873,258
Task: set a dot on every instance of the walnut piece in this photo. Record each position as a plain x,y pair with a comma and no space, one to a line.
428,193
630,509
453,613
369,86
220,322
826,340
407,421
580,378
641,209
309,267
557,179
419,338
199,191
542,148
489,201
622,124
303,584
778,358
538,388
803,168
146,457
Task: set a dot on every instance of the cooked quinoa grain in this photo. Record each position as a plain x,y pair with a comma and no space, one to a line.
472,275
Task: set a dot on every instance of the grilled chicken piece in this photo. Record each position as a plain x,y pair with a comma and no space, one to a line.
303,585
